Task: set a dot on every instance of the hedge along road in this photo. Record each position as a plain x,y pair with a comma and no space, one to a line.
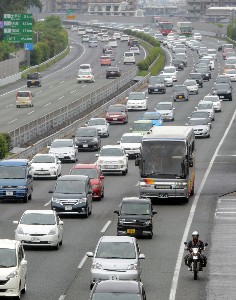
60,87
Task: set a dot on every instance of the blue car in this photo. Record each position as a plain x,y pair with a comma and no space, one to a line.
154,116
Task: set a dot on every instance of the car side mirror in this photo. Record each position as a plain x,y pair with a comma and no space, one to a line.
90,191
61,222
206,244
48,147
186,124
137,160
102,177
154,212
195,107
141,256
50,191
96,155
118,142
15,222
89,254
185,243
116,212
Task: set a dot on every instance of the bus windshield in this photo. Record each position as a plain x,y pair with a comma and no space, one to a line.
165,159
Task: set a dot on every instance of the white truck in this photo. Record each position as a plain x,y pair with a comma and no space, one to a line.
184,28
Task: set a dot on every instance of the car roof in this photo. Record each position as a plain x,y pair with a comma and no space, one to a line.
73,177
117,239
112,146
41,211
137,200
14,162
132,134
85,166
143,121
8,244
118,286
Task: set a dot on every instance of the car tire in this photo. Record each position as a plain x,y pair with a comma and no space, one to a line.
86,215
185,200
57,246
26,199
209,136
23,291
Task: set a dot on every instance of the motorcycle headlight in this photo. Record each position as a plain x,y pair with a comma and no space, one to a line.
13,274
133,267
96,266
52,231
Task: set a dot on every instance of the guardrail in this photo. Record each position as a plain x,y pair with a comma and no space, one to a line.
70,129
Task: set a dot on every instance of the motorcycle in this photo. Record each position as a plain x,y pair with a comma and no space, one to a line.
196,252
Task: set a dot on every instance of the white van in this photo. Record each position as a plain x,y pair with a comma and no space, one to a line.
13,268
24,98
211,59
85,38
129,58
112,43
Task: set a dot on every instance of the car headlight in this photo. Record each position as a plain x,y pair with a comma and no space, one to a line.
121,221
82,200
148,222
56,200
13,274
21,187
94,140
133,267
52,231
20,231
71,152
228,92
121,162
96,266
100,161
53,167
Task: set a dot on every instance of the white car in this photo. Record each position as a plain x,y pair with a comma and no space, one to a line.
212,61
206,106
231,73
85,38
137,101
117,35
74,28
131,142
85,76
64,149
200,127
13,269
213,53
135,50
191,85
112,158
85,67
101,124
89,30
170,70
168,79
216,101
45,165
124,38
40,228
105,38
167,110
197,36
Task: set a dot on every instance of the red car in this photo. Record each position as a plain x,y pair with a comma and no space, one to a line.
95,175
117,113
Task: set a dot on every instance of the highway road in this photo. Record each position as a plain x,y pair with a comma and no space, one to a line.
59,85
65,274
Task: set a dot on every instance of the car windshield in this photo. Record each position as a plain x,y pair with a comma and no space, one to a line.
190,82
105,57
211,98
115,108
222,86
91,173
230,66
151,116
197,122
84,67
129,54
166,76
204,106
33,76
131,139
70,187
23,94
61,144
12,172
223,80
122,250
142,126
111,152
155,80
179,88
38,219
199,114
230,72
7,258
85,132
134,208
98,121
43,159
164,106
136,96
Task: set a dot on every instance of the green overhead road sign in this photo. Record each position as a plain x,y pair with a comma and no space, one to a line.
70,11
18,28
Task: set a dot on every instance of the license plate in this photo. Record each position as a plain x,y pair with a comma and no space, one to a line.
163,195
221,97
60,156
68,207
130,231
114,277
9,193
195,257
115,119
156,90
32,81
35,240
85,145
110,167
180,97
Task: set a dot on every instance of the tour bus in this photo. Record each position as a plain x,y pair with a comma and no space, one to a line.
167,163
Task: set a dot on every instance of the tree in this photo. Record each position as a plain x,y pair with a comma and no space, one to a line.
17,6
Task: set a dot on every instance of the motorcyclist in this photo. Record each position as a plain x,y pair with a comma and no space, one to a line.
195,243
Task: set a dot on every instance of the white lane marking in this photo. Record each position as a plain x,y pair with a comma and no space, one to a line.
83,85
9,105
73,91
61,97
46,204
47,104
226,155
51,86
30,112
38,92
191,215
106,226
12,121
62,297
62,81
82,262
145,53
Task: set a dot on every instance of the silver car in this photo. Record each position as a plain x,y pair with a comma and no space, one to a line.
116,257
166,110
101,124
207,106
200,126
216,101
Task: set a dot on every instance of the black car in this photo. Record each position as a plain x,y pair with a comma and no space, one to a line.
87,138
197,77
178,63
118,289
181,56
156,84
134,43
180,92
223,91
72,195
135,217
219,45
223,79
34,79
113,72
205,72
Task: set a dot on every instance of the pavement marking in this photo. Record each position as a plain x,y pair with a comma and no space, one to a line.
61,97
9,105
62,81
31,112
73,91
47,104
82,262
46,204
179,261
12,121
38,92
51,86
106,226
62,297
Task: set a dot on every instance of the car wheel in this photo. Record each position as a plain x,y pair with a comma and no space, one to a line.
102,194
26,199
150,236
57,246
23,291
164,91
86,215
90,210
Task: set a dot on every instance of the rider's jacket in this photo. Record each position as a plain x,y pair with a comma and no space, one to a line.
195,244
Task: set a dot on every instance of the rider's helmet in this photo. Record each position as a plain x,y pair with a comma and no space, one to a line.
195,235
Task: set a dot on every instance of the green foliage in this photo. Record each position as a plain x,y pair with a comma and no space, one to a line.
5,49
8,140
3,146
231,31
